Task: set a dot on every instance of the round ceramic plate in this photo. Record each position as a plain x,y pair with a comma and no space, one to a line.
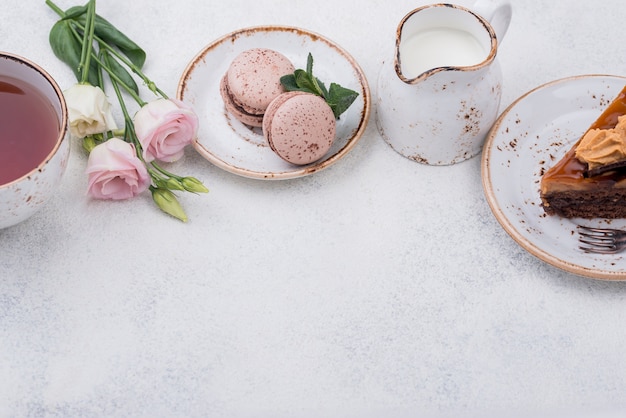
529,137
237,148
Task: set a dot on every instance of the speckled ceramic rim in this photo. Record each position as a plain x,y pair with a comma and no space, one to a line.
506,223
304,170
63,119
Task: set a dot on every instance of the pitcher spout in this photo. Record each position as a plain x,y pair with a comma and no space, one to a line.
446,37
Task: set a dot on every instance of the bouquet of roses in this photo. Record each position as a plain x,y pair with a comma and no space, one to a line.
122,162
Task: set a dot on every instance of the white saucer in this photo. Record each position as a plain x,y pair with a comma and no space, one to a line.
530,136
233,146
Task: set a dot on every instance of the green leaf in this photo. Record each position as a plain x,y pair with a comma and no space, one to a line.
322,88
75,12
305,82
95,78
68,49
319,87
121,72
309,65
111,35
64,45
289,82
340,98
298,81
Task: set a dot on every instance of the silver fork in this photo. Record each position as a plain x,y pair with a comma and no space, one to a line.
601,240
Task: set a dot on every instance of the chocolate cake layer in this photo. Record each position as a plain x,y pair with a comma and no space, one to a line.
601,203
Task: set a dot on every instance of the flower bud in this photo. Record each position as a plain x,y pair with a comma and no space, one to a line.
174,184
89,143
159,182
192,184
167,202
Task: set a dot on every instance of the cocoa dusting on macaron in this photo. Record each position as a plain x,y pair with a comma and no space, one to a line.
252,82
297,113
300,127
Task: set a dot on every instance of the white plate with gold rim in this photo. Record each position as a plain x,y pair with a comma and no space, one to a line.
231,145
532,134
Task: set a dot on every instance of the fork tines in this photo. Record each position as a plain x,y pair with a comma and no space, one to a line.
601,240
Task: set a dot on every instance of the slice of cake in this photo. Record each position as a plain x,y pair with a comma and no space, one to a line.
590,180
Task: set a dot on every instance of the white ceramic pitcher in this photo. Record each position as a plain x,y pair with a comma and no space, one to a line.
440,95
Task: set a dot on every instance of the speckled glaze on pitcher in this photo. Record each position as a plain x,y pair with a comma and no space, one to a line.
441,115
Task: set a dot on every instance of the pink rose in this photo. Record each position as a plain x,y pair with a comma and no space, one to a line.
115,172
164,127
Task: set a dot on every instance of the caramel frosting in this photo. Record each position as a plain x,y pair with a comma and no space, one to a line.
569,173
600,147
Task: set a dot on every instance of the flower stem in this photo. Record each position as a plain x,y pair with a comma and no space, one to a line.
164,171
129,134
87,41
151,85
56,8
105,46
121,60
104,64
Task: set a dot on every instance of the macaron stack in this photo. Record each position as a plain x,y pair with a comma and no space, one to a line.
252,82
299,127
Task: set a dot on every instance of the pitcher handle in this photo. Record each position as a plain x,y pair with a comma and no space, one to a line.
497,12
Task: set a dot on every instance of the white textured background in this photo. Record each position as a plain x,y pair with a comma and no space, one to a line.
378,287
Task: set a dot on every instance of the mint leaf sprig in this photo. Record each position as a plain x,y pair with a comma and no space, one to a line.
338,98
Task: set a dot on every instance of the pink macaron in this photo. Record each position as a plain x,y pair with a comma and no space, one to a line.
252,82
300,127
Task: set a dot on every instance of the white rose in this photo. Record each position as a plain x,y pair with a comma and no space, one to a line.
89,111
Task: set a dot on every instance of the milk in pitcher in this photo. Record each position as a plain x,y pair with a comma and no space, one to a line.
439,47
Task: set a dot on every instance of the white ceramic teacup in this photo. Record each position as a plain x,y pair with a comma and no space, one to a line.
22,196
